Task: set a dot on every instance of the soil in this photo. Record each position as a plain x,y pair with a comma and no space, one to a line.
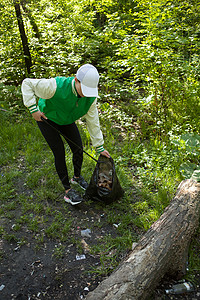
30,273
27,273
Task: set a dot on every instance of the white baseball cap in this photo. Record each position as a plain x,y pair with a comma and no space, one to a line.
89,79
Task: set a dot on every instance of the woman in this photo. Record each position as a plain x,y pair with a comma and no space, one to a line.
63,100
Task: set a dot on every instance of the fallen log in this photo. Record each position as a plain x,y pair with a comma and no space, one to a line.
163,250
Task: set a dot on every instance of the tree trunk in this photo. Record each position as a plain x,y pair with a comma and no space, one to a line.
31,18
23,36
161,251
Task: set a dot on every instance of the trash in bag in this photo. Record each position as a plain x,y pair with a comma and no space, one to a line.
104,184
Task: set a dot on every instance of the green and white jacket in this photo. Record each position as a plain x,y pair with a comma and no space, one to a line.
59,101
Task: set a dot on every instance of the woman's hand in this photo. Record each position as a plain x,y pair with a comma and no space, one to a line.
105,153
38,115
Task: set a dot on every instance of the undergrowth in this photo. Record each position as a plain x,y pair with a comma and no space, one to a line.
149,171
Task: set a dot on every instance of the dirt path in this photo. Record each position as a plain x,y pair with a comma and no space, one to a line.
32,272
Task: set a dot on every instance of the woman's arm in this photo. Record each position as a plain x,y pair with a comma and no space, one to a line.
93,125
42,88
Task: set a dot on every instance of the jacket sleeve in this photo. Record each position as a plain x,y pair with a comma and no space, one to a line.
42,88
93,126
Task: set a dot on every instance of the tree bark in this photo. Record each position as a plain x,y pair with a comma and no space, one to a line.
31,18
161,251
23,36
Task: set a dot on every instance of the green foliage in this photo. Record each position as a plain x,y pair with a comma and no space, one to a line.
147,53
189,145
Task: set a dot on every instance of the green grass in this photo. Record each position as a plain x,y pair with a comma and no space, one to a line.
31,193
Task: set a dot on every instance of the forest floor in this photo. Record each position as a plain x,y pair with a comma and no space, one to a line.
28,272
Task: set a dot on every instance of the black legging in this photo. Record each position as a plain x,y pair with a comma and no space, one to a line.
55,142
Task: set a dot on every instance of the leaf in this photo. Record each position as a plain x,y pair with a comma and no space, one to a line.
187,169
196,175
191,140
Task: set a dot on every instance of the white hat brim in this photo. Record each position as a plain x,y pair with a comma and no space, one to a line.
89,92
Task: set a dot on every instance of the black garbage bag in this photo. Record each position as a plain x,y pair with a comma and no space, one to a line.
104,185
